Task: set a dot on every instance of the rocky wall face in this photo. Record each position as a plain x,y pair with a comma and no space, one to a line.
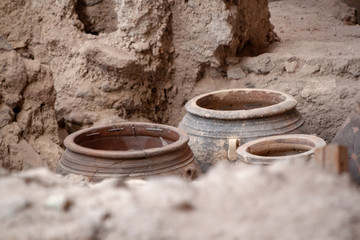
27,91
71,64
98,16
120,75
205,34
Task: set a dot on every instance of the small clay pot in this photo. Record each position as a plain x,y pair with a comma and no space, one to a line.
218,122
129,150
283,147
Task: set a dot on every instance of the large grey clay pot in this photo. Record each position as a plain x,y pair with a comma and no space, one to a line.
218,122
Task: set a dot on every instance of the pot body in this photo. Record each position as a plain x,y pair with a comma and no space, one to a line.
265,151
214,133
349,135
129,150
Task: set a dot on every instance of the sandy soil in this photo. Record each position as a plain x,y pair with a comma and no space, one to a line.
317,61
286,201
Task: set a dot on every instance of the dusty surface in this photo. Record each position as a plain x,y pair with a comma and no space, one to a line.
285,201
71,64
317,61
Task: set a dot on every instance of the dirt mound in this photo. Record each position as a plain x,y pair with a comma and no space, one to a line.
285,201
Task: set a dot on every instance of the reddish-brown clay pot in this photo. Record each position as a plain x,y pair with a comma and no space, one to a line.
267,150
349,135
218,122
129,150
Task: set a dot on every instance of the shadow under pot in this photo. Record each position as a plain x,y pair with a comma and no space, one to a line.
218,122
265,151
128,150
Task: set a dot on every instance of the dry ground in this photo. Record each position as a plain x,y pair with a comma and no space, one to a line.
317,61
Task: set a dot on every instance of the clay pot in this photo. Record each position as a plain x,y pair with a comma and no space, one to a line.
349,135
128,150
266,150
218,122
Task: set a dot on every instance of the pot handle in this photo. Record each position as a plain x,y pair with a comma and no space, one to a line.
233,145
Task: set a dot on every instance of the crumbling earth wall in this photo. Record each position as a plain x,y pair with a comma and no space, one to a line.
317,61
70,64
205,34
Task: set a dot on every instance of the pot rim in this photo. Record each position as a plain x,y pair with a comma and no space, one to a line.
244,155
287,104
70,144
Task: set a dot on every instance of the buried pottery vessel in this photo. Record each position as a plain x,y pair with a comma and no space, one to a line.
349,136
264,151
218,122
128,150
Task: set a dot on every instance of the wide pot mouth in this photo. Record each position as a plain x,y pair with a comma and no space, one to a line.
268,149
126,140
240,103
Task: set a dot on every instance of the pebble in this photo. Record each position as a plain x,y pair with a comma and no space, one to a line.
58,202
5,45
235,72
291,66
